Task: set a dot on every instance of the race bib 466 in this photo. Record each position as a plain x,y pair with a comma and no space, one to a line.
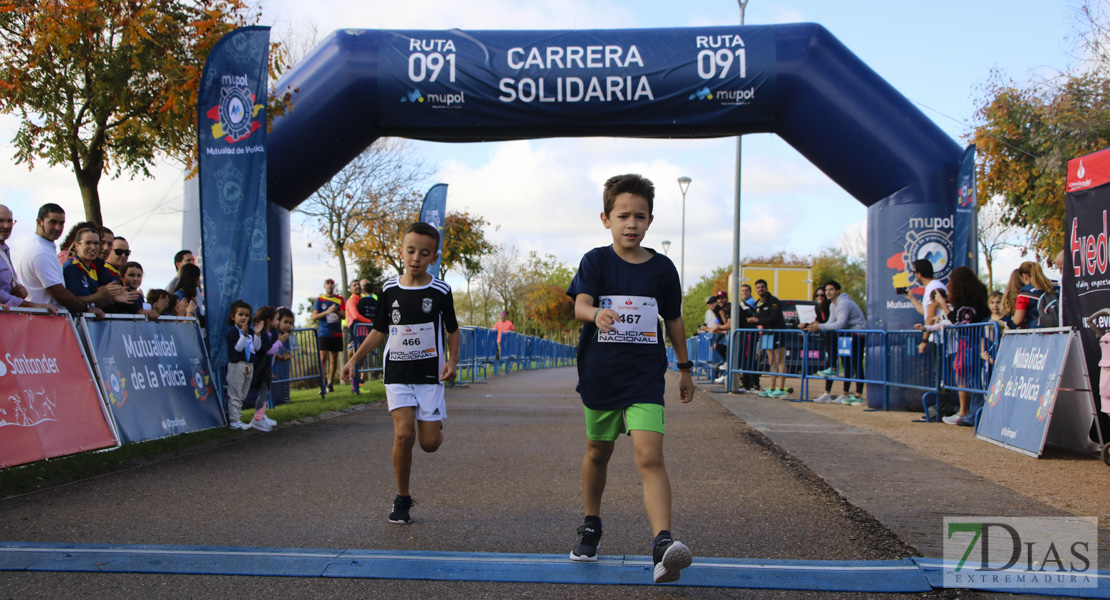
412,342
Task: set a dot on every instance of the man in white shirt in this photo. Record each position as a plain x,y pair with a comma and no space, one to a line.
923,269
36,262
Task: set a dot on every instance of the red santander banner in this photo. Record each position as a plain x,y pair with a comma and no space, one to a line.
48,401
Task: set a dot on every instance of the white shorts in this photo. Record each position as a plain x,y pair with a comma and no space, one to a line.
427,399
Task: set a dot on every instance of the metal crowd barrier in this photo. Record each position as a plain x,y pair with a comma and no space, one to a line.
958,359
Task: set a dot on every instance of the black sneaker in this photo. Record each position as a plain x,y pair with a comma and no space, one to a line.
331,388
400,513
670,558
589,540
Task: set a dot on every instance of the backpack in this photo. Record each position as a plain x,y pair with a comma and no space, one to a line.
1048,310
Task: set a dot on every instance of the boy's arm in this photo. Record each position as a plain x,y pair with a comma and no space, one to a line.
585,311
676,330
364,348
450,366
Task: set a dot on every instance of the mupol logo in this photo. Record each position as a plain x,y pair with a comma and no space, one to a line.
702,94
413,96
450,100
236,114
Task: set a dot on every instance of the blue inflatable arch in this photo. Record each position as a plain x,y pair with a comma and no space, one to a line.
795,80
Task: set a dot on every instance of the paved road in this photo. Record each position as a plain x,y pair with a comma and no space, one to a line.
506,480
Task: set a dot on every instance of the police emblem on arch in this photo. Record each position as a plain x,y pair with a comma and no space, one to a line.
933,245
426,305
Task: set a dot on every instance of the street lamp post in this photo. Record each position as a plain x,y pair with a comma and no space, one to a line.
683,184
666,246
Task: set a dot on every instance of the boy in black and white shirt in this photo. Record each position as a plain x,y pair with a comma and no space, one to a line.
414,311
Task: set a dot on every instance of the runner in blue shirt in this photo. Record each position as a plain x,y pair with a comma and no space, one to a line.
621,292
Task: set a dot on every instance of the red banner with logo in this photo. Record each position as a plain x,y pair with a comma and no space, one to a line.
48,401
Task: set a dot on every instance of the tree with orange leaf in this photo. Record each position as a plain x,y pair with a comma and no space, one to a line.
107,85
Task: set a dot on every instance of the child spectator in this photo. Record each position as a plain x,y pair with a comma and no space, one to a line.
241,348
132,281
269,345
188,292
414,310
619,292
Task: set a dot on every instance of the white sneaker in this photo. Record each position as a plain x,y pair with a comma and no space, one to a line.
720,379
260,425
955,419
825,398
272,423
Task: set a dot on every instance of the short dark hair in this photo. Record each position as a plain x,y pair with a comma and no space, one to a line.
104,230
48,208
834,283
759,281
923,267
634,184
180,256
744,285
421,228
234,308
285,313
119,237
132,265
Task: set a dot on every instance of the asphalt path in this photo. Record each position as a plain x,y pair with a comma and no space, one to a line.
506,480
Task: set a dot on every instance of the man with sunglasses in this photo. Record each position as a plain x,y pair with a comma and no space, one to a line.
113,269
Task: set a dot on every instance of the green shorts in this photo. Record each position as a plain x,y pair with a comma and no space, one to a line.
608,425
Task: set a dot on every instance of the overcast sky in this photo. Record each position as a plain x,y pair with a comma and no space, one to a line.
544,195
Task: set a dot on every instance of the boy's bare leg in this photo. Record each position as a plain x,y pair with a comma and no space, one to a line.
404,435
333,367
324,365
429,434
648,448
595,467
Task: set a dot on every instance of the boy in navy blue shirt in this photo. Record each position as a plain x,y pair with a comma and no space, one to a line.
621,292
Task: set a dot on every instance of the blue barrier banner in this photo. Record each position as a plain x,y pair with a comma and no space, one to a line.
844,345
710,75
1023,389
434,213
155,376
231,144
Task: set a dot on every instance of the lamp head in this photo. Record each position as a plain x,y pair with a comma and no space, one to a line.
684,184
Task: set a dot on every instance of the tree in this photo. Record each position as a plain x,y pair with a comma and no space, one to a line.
105,85
694,305
850,272
1028,132
993,235
372,194
546,303
464,242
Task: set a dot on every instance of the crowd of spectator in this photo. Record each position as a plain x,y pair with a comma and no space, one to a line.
91,271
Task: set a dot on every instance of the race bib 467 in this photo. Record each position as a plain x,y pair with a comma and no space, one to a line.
638,322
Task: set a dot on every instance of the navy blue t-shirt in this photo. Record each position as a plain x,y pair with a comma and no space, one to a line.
614,375
79,280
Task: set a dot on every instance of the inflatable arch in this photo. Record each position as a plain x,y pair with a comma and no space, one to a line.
795,80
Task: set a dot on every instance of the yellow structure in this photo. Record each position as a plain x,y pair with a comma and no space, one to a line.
784,282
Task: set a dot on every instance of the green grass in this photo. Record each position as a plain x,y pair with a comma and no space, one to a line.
304,404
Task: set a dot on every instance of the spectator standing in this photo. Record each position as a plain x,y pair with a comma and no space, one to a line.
502,325
157,297
1025,302
327,312
68,246
241,348
821,307
132,283
118,255
844,314
746,296
39,270
79,272
183,257
768,315
358,325
967,303
923,269
106,239
189,294
709,321
722,311
263,360
747,355
12,293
